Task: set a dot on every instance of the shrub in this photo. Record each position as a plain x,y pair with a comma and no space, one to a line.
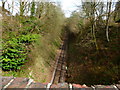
15,52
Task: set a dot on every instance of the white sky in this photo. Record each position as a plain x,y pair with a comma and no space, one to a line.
69,5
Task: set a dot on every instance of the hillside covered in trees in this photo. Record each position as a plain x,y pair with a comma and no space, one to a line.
33,31
30,38
94,44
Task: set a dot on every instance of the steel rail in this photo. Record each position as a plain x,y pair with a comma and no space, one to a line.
62,48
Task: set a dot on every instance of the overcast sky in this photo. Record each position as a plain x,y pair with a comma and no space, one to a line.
68,5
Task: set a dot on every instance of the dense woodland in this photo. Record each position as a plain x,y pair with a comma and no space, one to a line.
94,44
31,39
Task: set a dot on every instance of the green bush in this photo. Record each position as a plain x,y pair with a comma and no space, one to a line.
28,38
15,52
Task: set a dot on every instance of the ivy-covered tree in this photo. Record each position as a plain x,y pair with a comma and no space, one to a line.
32,8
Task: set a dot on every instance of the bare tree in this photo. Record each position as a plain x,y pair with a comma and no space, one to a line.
108,18
117,12
90,10
23,6
3,4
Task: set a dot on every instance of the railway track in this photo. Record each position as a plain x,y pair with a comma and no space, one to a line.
60,66
57,80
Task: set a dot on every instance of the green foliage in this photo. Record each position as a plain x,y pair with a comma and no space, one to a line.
28,38
15,52
31,25
20,31
56,43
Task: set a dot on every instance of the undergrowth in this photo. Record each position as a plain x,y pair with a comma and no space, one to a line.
15,51
30,44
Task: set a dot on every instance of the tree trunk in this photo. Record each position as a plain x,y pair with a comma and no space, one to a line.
107,21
